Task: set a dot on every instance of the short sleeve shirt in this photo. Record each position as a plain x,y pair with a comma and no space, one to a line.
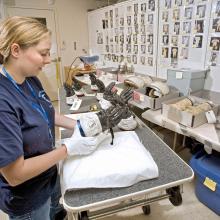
24,132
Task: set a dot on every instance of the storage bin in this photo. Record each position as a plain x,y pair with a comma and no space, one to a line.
186,80
207,189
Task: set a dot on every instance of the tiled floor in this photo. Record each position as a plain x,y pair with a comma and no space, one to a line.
191,208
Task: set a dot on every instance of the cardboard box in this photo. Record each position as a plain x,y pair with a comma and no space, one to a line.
143,101
206,168
185,118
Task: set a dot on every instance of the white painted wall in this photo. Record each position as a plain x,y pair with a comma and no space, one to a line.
71,23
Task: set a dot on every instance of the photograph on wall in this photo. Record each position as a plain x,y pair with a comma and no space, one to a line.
149,29
135,19
166,28
150,61
142,60
217,9
184,53
142,30
150,38
136,8
188,13
143,19
128,39
150,49
143,7
150,18
165,39
185,41
178,3
176,28
165,16
200,12
174,52
128,48
167,4
135,38
165,52
216,25
136,28
134,59
116,12
174,40
189,2
197,41
213,58
121,48
129,9
99,38
176,14
143,49
135,50
128,58
129,30
215,43
121,22
186,27
129,20
151,5
199,26
143,39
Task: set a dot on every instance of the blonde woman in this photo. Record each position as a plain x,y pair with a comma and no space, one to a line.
28,172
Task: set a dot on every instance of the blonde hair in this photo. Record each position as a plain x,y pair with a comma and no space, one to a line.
24,31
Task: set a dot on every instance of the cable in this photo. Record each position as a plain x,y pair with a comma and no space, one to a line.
68,74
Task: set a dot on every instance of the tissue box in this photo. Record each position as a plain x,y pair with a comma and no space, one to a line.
206,168
185,118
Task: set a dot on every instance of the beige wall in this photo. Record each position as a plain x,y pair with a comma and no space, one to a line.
71,23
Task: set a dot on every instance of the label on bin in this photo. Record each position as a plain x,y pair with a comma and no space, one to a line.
179,75
210,184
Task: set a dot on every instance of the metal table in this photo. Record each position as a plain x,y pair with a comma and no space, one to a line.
95,203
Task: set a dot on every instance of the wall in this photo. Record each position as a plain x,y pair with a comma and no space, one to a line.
71,23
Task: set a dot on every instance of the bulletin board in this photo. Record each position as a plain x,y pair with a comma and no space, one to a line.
156,35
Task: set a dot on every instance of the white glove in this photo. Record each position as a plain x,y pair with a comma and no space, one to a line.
78,145
105,104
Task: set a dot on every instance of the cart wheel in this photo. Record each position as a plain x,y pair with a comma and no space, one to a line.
146,209
83,216
175,195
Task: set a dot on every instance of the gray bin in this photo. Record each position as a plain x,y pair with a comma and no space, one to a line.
186,80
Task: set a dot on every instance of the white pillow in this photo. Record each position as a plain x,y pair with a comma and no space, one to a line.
122,164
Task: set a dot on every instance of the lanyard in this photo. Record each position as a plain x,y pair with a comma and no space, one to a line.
37,106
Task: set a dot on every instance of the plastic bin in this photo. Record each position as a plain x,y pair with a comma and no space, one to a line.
206,168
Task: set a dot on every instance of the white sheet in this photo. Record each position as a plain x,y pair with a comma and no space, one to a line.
122,164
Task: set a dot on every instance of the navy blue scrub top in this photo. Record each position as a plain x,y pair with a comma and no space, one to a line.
24,132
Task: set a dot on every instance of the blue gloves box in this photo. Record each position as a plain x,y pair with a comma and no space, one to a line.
207,171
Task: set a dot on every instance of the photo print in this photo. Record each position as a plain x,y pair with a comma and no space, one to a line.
174,40
121,22
216,25
199,26
129,20
116,12
184,53
197,41
178,3
143,7
174,52
176,14
165,52
143,29
217,9
150,61
142,60
143,39
150,18
165,39
129,9
129,30
167,4
187,27
128,48
150,49
188,13
121,48
128,39
143,49
135,19
151,5
136,8
134,59
129,59
99,38
213,58
185,41
189,2
176,28
150,38
215,43
165,16
200,12
166,28
135,38
135,49
143,19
